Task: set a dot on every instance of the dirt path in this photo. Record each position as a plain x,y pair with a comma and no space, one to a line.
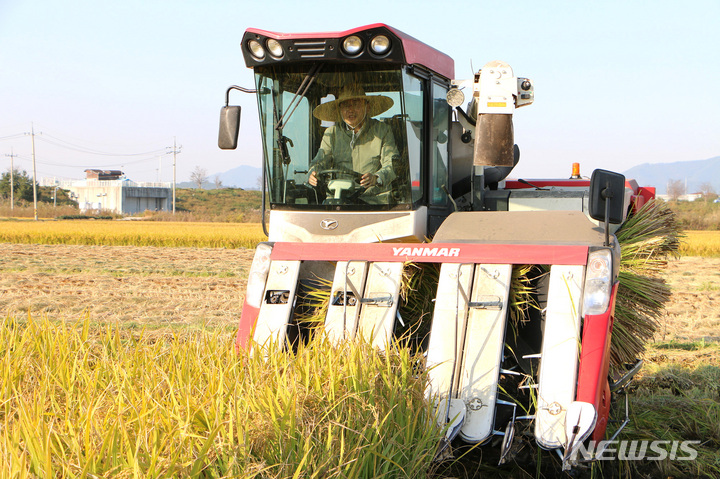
140,286
156,287
693,312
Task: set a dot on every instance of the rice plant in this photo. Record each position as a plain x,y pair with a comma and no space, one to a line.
701,243
132,233
76,402
523,293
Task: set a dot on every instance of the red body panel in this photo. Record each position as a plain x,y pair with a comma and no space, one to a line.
516,185
416,52
433,253
643,195
593,386
248,317
640,195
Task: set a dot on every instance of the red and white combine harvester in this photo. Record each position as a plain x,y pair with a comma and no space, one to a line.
420,177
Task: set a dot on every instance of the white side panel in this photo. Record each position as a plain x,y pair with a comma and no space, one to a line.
353,227
341,320
379,303
483,352
448,329
273,319
559,355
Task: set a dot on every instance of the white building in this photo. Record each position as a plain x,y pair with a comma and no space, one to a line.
110,191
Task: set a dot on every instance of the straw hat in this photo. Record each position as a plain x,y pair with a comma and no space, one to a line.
330,111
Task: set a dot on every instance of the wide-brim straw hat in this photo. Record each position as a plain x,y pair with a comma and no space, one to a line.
330,111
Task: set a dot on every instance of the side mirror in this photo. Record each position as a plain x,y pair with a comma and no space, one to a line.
229,127
607,196
607,199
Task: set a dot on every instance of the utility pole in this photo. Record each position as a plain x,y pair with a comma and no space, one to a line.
12,183
32,136
175,150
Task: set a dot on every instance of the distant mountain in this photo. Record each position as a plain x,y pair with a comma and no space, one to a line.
693,173
244,176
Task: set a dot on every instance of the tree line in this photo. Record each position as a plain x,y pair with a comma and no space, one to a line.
22,189
677,188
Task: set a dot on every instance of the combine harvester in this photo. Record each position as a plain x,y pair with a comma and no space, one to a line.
427,184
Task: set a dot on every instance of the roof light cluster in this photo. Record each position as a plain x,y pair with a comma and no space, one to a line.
271,47
354,45
260,47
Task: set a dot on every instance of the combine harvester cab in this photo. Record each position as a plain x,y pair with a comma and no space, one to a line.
437,194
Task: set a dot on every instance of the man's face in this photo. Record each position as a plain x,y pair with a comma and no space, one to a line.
353,112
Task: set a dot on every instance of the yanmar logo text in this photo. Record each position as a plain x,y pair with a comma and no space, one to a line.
426,251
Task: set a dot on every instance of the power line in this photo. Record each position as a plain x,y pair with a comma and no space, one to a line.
12,137
72,147
61,143
119,163
96,165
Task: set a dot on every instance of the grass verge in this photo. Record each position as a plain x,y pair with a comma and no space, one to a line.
676,398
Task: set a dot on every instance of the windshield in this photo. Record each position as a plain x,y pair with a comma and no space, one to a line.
336,136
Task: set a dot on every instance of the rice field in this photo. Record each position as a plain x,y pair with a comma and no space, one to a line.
132,233
701,243
115,361
206,235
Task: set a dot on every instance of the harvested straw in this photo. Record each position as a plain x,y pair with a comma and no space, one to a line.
647,239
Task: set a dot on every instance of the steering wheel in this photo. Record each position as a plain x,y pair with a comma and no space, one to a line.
338,173
342,184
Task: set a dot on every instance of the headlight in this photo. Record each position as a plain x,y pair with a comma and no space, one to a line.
598,282
258,275
256,49
275,48
455,97
380,45
352,45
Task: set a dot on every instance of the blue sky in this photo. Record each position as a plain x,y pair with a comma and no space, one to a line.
618,83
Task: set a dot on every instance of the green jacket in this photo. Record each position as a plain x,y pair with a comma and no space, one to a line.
371,151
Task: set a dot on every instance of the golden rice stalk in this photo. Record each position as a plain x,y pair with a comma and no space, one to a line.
523,295
647,239
313,301
418,288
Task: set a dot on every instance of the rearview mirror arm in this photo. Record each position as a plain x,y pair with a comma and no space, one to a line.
239,88
607,194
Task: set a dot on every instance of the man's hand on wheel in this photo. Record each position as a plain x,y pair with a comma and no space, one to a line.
368,180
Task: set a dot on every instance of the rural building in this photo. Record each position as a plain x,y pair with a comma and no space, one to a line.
109,190
104,175
685,197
